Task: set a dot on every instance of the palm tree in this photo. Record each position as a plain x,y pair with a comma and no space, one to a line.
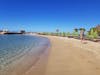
76,30
82,29
75,33
57,31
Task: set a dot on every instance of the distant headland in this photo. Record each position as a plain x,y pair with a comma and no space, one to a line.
5,31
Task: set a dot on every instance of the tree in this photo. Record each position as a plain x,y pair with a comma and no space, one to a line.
93,33
57,31
68,34
64,34
98,29
82,29
76,30
60,34
75,34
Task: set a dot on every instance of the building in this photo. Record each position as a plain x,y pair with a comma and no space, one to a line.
3,31
22,31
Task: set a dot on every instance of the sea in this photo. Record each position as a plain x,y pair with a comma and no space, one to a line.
15,46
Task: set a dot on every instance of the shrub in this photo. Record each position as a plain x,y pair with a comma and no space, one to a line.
64,34
92,34
75,34
68,34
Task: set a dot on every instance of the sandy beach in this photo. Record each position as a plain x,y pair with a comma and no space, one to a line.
66,56
70,57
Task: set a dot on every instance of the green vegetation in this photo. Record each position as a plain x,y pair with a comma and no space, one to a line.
82,29
92,34
64,34
75,33
98,29
76,30
68,34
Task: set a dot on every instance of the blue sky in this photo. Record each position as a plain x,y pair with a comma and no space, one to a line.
48,15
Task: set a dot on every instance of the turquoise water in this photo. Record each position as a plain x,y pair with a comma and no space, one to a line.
13,47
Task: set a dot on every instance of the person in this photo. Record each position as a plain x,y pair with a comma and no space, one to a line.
82,36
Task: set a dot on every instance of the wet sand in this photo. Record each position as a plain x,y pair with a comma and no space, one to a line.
65,57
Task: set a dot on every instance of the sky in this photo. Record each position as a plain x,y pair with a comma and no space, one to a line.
49,15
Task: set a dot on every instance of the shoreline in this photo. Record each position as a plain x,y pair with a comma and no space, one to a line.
65,56
22,64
